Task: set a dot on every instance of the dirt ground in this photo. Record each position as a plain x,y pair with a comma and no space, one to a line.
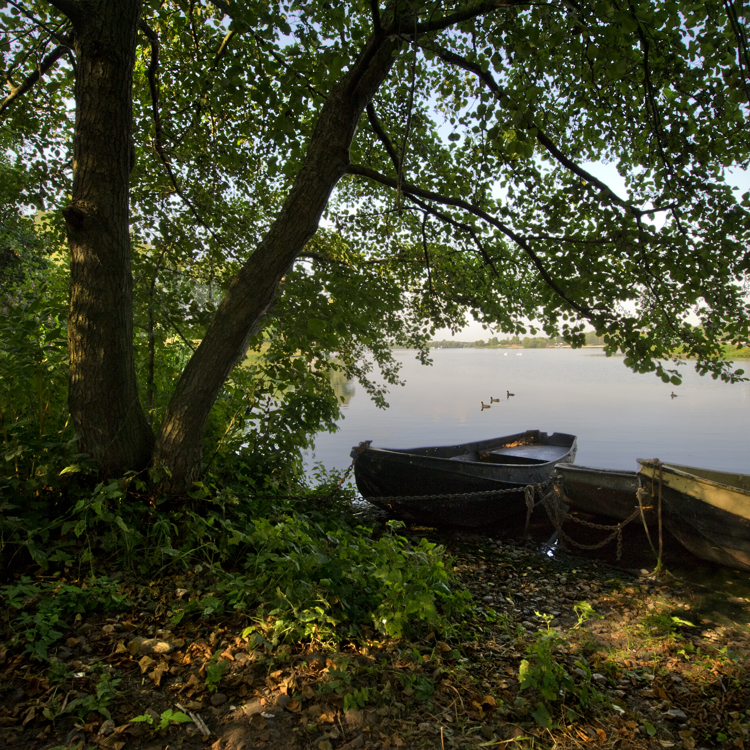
665,661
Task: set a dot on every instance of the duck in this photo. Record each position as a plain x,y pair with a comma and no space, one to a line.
674,395
484,406
494,400
510,394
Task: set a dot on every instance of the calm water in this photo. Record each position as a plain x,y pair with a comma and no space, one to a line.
617,415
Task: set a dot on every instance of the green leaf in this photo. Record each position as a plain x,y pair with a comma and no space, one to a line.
542,716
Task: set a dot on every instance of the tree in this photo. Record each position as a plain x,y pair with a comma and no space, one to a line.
446,145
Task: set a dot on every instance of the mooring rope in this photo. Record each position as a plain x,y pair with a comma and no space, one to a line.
657,464
558,517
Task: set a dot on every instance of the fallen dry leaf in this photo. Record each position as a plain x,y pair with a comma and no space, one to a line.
145,662
158,673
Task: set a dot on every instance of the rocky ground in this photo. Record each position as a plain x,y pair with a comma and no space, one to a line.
559,652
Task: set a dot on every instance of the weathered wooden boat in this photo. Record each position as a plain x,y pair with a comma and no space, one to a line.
602,492
426,485
707,511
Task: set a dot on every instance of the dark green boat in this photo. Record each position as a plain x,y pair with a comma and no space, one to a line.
602,492
426,485
707,511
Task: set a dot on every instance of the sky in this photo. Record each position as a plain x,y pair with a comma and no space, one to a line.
738,178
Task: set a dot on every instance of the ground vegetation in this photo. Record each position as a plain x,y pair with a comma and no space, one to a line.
521,650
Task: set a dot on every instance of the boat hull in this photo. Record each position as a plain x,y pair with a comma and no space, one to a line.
602,492
412,484
707,511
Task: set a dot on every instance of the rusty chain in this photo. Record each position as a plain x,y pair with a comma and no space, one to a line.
558,518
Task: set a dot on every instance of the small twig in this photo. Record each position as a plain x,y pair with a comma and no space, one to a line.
410,107
204,730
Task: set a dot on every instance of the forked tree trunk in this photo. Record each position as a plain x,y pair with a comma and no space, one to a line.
179,445
103,394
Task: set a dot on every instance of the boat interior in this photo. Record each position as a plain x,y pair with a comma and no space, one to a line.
516,455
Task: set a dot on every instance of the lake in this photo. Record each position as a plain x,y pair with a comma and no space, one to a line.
617,415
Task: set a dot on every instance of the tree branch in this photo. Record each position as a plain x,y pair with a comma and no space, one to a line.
743,53
478,212
426,208
63,39
33,78
374,8
467,14
383,136
407,128
180,334
153,70
70,8
542,138
223,47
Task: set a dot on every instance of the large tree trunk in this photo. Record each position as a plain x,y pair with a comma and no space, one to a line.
103,394
179,444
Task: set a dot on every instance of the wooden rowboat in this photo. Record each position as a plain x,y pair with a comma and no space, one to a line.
707,511
602,492
424,485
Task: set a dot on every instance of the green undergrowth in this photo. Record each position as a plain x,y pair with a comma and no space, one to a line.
296,569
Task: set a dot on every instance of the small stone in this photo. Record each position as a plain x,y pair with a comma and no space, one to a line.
252,708
355,718
138,729
106,728
676,713
218,699
316,661
154,646
357,742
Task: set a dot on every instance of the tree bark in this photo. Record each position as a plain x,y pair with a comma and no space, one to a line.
103,393
179,444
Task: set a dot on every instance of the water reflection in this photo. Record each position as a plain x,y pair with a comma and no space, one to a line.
617,415
343,388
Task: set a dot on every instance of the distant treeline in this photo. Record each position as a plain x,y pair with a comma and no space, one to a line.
527,342
738,352
540,342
